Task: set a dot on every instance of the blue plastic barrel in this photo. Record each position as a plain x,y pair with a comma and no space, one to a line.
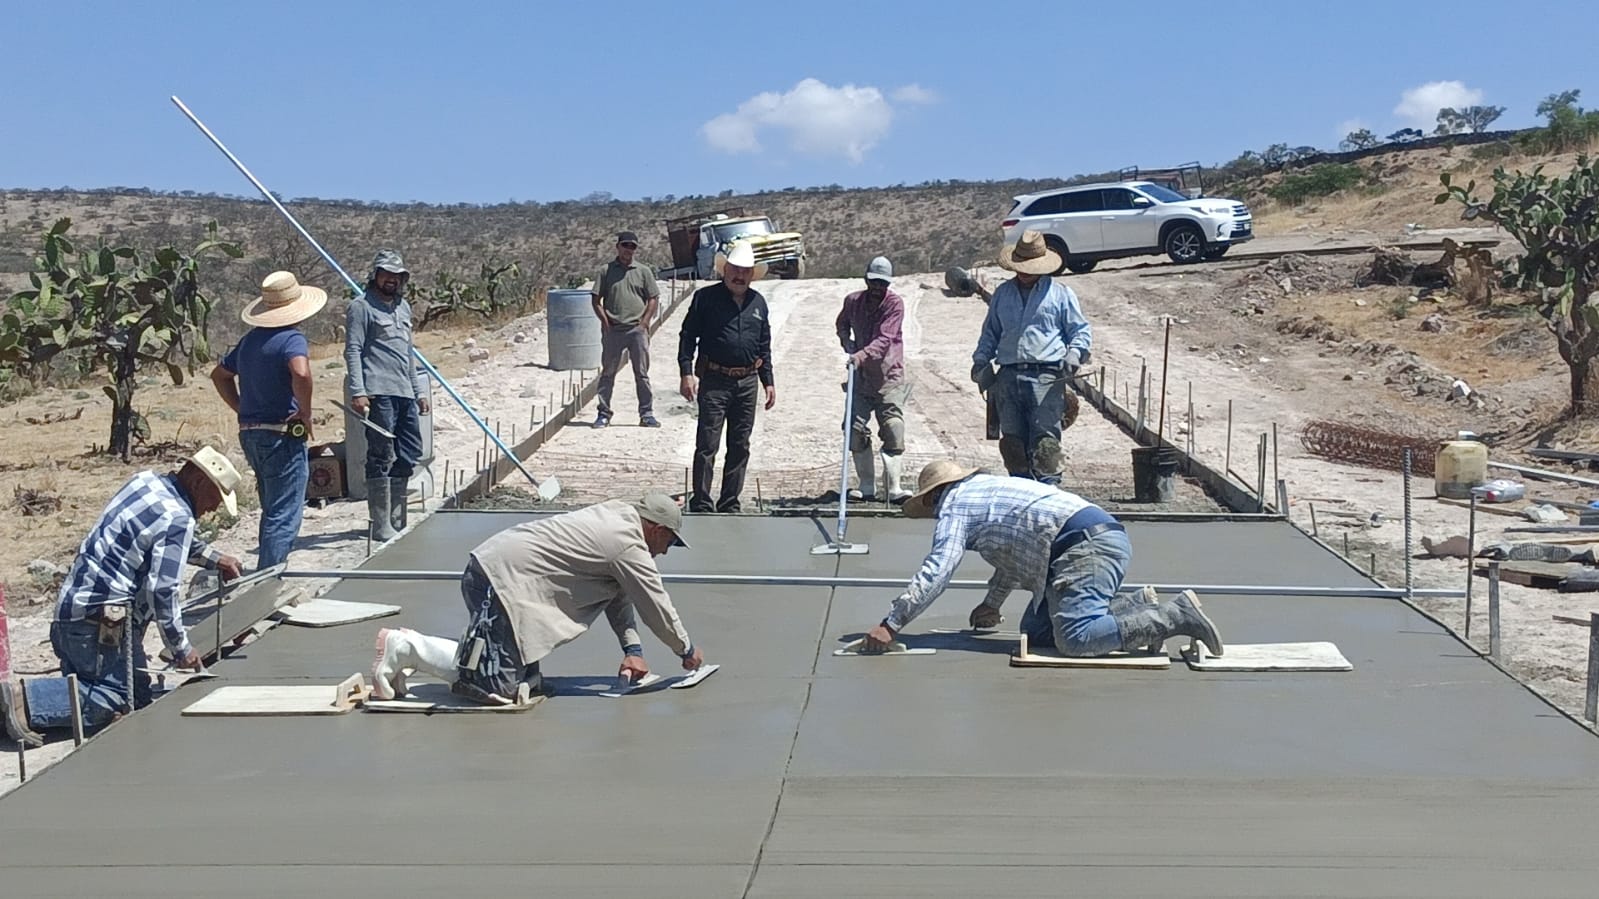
574,332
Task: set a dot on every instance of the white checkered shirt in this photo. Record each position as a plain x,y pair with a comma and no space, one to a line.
1009,521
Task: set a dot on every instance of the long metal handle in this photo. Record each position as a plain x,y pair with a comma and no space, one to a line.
843,464
545,492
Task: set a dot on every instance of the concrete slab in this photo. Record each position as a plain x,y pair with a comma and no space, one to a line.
1424,771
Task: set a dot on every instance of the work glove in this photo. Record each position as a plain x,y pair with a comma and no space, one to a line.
847,359
983,376
1074,358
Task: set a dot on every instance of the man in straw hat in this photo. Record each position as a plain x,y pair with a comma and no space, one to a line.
1036,332
869,330
537,586
1069,552
382,382
128,573
266,380
724,354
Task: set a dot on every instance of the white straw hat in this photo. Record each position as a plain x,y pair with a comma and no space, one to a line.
222,473
283,301
742,255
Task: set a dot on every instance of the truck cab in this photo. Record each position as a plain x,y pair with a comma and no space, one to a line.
696,240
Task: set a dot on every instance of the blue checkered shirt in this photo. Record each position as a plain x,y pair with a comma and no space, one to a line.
1009,521
134,557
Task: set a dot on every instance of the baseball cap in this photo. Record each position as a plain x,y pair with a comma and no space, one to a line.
627,237
880,269
664,511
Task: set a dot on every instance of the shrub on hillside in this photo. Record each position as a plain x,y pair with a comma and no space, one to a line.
1316,181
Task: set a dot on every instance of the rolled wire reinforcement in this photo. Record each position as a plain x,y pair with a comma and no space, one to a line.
770,580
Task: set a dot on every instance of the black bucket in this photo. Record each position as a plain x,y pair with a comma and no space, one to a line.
1155,473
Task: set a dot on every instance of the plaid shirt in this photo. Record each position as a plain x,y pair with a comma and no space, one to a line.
1009,521
134,556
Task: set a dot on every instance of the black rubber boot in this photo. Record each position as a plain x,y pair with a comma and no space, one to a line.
1182,617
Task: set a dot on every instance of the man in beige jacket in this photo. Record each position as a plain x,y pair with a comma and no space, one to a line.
537,586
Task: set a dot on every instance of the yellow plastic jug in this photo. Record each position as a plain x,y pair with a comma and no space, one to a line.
1460,466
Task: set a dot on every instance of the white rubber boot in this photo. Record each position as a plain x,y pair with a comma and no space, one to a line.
866,472
400,649
893,474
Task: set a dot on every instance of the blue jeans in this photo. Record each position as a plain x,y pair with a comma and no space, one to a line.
1075,618
102,678
281,471
387,458
1030,402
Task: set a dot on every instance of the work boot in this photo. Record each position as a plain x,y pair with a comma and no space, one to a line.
378,510
401,648
1181,617
1123,604
866,472
893,474
14,711
399,492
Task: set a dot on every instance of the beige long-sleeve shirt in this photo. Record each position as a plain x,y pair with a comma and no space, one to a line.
556,575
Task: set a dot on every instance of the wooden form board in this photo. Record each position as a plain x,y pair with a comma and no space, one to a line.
1024,657
278,699
1269,657
434,698
332,612
1547,575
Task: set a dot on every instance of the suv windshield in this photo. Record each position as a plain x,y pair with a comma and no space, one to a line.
725,233
1162,194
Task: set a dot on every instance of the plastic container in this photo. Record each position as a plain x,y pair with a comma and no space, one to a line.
1460,466
574,330
1155,474
1500,490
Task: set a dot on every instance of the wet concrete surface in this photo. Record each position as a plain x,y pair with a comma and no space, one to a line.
793,772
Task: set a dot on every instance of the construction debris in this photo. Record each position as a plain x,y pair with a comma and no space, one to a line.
51,418
1373,448
1473,281
35,503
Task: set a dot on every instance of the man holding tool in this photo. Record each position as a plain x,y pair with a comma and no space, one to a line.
869,330
537,586
128,573
382,381
724,354
1071,553
626,299
266,380
1036,332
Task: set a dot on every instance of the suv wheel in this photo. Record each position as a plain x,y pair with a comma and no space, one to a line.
1081,266
1184,244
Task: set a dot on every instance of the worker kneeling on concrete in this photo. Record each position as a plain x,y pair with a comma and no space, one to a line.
1026,529
539,585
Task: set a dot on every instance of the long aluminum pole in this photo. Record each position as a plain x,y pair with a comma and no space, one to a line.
771,580
547,490
843,463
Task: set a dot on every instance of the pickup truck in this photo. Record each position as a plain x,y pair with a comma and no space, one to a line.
696,239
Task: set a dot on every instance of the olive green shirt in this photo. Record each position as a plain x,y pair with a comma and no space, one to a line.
624,291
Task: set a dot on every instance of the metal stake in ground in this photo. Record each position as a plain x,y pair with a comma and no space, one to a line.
1471,558
838,545
1493,610
550,488
1408,583
1165,354
1590,708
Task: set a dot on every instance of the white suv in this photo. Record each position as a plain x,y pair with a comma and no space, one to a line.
1090,222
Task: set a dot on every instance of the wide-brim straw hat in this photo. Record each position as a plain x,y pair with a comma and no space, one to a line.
222,473
742,255
934,475
1030,256
283,301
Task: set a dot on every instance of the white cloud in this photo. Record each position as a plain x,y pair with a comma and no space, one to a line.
1419,106
817,119
914,94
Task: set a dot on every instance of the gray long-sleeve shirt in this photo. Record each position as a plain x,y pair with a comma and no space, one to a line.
377,349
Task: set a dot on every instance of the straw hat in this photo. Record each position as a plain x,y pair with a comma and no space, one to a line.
742,255
222,473
283,301
1030,256
934,475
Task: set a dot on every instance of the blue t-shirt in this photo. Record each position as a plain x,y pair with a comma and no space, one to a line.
261,360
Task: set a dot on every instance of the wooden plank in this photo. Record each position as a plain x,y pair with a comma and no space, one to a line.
1319,656
1024,657
280,700
1567,619
1545,575
1566,455
1490,508
434,698
333,612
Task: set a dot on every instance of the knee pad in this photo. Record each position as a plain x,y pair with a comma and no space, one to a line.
1014,455
1046,456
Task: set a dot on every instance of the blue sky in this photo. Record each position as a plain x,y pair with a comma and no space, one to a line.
493,101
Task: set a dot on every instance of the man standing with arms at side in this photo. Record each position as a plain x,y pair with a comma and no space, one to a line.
1036,331
626,299
724,354
382,382
869,330
266,380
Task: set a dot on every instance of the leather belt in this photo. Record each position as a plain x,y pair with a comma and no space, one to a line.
1036,366
742,371
1070,539
293,428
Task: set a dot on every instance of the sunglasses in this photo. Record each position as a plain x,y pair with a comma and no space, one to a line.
630,246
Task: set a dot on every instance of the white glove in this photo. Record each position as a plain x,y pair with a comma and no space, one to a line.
1073,358
846,358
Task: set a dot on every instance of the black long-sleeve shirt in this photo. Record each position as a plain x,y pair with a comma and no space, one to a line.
726,333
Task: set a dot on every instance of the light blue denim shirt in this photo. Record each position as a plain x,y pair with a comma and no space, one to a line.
1040,328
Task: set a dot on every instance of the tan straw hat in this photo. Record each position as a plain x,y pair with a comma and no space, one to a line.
1030,256
934,475
740,254
283,301
222,473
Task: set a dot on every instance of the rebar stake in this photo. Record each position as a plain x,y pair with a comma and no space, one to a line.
77,709
1590,708
1409,585
1471,559
1493,610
